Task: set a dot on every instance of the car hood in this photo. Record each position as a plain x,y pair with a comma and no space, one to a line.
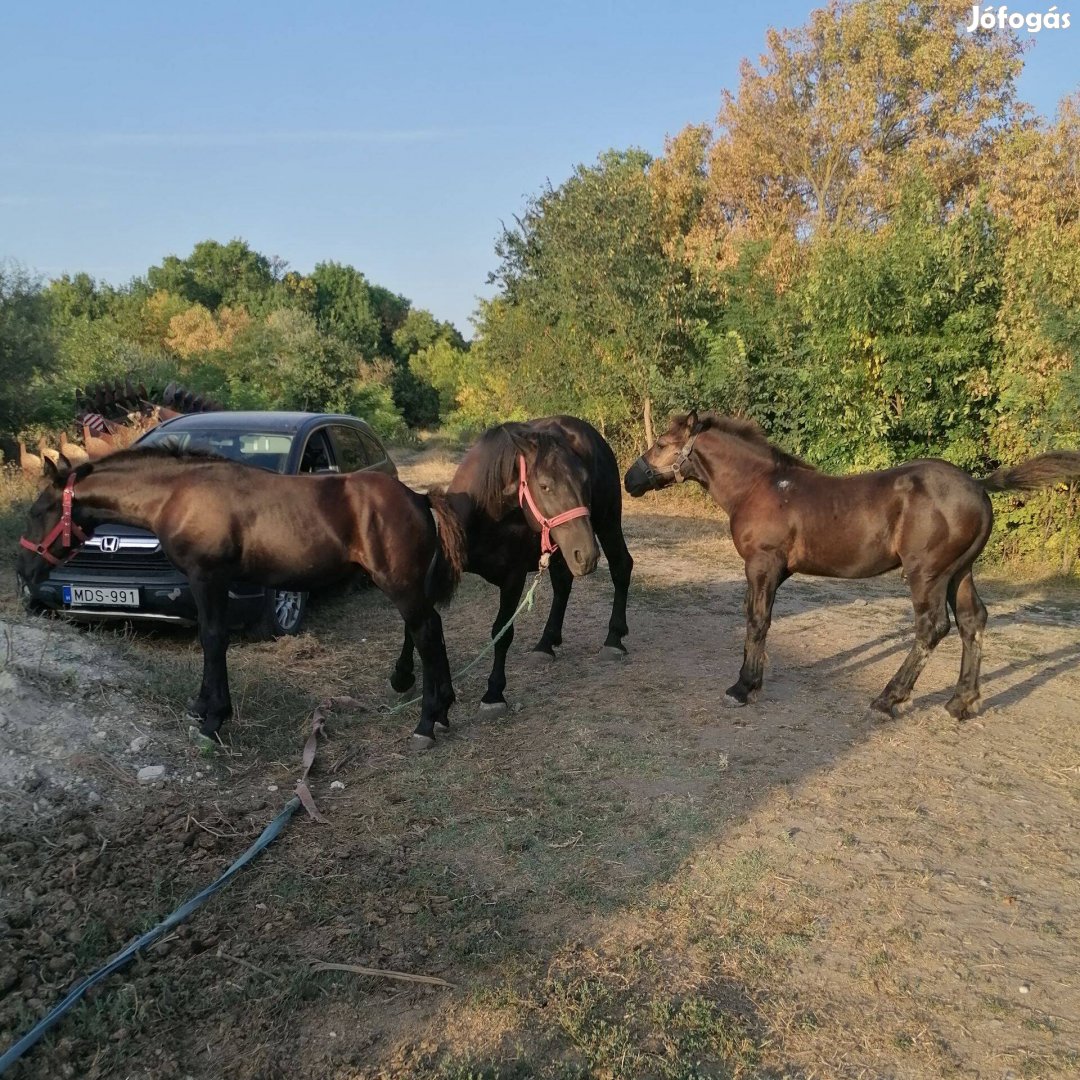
115,529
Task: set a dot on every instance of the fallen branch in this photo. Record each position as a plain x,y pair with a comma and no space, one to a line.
381,973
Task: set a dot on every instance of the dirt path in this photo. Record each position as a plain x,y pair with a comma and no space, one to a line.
621,878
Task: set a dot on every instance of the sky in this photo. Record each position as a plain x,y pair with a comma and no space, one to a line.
394,137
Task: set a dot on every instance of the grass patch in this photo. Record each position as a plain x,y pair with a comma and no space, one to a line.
624,1027
17,492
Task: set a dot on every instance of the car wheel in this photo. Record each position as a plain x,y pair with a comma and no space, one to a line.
282,615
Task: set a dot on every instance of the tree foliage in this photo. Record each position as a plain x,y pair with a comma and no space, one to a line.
823,132
215,274
27,345
586,274
226,320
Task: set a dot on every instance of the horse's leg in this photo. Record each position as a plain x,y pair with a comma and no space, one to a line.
764,575
562,581
931,625
444,684
426,631
621,565
402,677
213,705
970,614
509,597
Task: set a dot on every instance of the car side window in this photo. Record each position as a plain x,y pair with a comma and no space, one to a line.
375,450
317,456
352,451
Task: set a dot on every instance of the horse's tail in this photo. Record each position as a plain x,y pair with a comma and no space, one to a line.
1037,472
448,563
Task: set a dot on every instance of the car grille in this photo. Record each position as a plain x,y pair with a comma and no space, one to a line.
128,553
98,560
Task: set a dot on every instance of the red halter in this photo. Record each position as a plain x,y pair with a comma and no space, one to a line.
546,524
64,528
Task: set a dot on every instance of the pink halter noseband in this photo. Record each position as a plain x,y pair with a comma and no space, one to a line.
64,528
547,547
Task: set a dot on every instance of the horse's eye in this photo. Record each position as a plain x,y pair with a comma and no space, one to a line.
545,487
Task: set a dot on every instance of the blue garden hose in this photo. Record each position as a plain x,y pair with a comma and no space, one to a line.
268,835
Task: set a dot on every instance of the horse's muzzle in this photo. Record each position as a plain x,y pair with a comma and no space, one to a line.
641,477
30,569
582,561
579,548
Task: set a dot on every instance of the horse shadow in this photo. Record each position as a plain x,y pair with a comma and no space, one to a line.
895,643
1049,665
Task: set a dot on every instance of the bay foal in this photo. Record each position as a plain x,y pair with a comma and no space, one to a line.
927,516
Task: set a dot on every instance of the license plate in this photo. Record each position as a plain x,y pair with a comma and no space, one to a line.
100,596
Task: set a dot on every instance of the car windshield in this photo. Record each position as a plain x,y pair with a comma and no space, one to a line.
268,451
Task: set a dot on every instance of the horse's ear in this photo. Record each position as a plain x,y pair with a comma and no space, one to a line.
50,471
523,443
524,446
692,421
63,462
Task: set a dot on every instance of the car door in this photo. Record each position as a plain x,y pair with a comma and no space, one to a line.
352,451
318,454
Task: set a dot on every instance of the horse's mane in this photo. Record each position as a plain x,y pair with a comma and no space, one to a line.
750,431
168,451
498,449
171,450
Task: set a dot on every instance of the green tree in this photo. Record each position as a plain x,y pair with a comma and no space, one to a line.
215,274
285,362
586,268
27,347
344,306
392,310
899,356
445,368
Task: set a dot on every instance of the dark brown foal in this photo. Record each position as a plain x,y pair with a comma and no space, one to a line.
927,516
219,520
567,464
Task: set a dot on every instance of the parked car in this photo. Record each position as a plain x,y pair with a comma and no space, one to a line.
121,571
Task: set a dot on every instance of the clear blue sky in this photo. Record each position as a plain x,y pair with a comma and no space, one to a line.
395,137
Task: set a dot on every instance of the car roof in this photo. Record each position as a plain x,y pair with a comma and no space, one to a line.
285,423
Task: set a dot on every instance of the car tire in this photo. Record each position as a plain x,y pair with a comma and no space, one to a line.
282,615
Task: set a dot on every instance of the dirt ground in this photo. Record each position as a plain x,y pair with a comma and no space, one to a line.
618,879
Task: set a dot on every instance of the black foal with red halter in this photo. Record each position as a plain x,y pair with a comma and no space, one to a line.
547,546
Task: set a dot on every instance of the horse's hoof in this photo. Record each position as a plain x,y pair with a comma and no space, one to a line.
206,744
729,701
959,709
493,708
881,709
421,742
402,686
394,697
611,652
441,727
